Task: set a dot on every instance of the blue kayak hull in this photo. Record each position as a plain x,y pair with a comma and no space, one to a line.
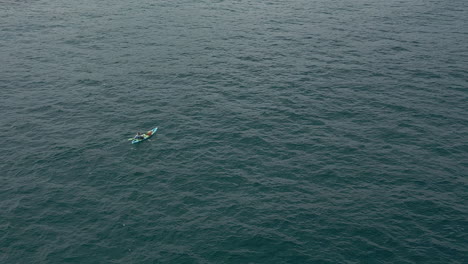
153,131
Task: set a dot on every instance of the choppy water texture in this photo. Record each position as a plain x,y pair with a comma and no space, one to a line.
301,131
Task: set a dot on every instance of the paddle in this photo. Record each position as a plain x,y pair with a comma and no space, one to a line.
138,139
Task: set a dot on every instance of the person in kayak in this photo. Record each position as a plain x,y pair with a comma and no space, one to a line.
139,136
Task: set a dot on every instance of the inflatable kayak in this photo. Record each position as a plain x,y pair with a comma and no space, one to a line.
146,136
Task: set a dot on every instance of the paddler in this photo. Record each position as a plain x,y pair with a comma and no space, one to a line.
139,136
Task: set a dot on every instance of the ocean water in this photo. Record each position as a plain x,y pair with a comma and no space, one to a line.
293,131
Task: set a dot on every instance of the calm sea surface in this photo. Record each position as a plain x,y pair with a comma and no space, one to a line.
290,131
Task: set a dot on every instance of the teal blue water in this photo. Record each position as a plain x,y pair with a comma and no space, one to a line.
300,131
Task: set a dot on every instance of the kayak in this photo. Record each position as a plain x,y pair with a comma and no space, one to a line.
146,136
